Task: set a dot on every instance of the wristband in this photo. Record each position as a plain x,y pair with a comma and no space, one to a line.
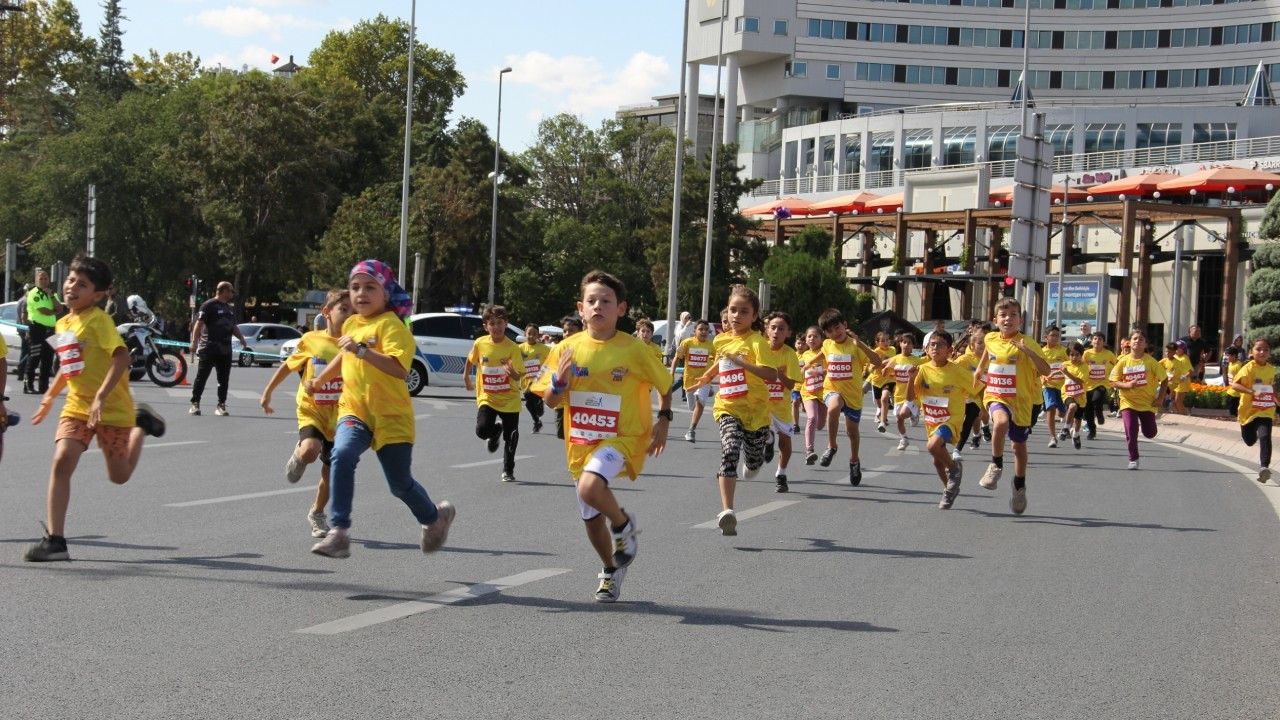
666,415
558,387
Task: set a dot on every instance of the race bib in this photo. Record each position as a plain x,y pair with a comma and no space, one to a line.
776,391
840,366
593,417
1055,371
902,373
496,380
697,358
937,410
1137,375
70,355
1264,397
733,380
1072,387
532,366
1097,372
813,380
1002,380
330,392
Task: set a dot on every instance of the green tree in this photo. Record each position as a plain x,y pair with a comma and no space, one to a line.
1263,287
806,281
163,74
113,68
49,64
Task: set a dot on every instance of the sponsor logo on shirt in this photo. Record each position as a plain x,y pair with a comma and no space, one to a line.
618,373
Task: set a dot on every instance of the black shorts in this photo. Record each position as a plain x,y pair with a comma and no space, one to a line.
876,392
326,445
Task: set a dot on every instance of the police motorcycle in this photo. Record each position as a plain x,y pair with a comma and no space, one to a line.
165,365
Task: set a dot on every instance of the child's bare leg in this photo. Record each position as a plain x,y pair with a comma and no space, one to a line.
834,405
795,412
120,467
851,430
601,539
595,492
999,431
1052,413
942,461
66,456
784,450
1020,459
697,415
322,491
308,451
902,415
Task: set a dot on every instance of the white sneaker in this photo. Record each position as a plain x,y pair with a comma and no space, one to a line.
1053,442
991,478
880,427
319,528
689,436
508,477
624,542
335,544
749,474
728,522
1018,503
1133,464
955,455
610,588
221,410
903,443
435,534
293,470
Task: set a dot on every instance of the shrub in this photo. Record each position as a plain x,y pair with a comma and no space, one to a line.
1264,285
1263,314
1267,256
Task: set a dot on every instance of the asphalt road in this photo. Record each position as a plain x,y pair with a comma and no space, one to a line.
1147,594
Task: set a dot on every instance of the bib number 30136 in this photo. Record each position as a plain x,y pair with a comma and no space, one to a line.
593,417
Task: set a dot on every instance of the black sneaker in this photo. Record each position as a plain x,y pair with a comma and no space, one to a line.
780,484
986,433
493,443
1075,440
51,548
974,442
1091,434
149,420
768,450
855,474
537,425
825,460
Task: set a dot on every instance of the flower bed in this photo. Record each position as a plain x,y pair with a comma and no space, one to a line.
1213,397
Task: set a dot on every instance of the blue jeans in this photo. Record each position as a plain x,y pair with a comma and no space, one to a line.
350,442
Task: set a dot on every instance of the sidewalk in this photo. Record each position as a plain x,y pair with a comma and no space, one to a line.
1217,435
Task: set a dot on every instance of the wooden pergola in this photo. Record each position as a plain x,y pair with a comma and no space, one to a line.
1135,220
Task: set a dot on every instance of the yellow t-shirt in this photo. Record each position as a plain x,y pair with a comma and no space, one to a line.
535,357
1012,377
607,403
1147,372
876,377
1233,367
900,374
1262,402
377,399
4,349
696,356
844,361
1074,377
940,394
785,359
315,350
85,344
1100,363
1056,357
1183,373
969,361
494,387
654,348
742,394
811,388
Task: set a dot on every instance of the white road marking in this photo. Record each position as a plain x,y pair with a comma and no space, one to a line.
431,602
868,474
1271,492
419,417
149,446
495,461
180,392
748,514
249,496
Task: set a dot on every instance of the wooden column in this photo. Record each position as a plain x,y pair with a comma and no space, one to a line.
1146,248
970,247
900,265
868,244
926,300
1067,251
837,235
1230,271
1128,231
777,232
993,287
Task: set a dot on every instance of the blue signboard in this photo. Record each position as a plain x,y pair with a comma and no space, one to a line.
1084,299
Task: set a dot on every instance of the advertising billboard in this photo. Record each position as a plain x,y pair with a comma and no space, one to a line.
710,9
1084,299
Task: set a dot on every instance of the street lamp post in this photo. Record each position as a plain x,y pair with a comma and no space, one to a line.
493,225
408,133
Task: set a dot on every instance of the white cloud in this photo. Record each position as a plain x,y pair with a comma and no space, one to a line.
245,21
256,56
582,86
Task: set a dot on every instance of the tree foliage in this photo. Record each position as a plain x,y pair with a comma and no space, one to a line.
805,281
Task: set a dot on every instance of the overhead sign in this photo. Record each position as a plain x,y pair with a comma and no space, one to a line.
1083,299
710,10
1033,180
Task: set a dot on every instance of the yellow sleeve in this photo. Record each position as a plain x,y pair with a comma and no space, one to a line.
299,358
397,342
542,386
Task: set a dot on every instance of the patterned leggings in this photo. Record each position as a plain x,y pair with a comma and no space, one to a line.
735,441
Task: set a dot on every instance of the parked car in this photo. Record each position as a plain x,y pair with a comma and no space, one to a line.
444,340
9,314
265,339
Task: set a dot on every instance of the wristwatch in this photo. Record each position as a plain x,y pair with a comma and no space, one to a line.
361,349
666,415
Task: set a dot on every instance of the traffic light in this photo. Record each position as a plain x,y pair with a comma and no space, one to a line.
1008,286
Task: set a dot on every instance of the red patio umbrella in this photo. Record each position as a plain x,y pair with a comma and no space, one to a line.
1004,195
1135,185
843,204
1222,179
794,205
888,203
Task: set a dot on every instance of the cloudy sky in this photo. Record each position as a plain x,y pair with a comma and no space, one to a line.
574,56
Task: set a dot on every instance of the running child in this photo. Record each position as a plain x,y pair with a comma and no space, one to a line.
4,376
696,354
571,326
966,358
899,366
1010,363
881,382
844,355
644,331
801,347
1141,382
1234,360
606,378
1075,374
374,410
811,391
1054,407
93,365
1184,372
535,356
1256,382
499,364
783,357
317,411
741,408
942,388
1100,361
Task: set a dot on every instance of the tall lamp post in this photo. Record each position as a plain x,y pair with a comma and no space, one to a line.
408,135
493,225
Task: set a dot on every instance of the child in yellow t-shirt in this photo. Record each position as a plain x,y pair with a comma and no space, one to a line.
1256,383
1100,360
644,331
797,402
93,365
1009,364
1054,407
741,408
941,387
782,357
1235,361
899,369
814,375
535,355
374,410
1075,374
1141,381
844,356
499,365
881,380
606,379
696,353
318,411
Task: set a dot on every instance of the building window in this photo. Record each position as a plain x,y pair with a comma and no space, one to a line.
917,150
1214,132
833,71
747,24
1103,137
1158,135
852,153
1062,137
959,145
779,27
796,69
881,159
1002,143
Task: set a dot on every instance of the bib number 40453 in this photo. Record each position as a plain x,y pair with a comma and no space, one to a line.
593,417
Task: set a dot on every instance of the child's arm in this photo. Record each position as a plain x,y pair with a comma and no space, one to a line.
658,436
763,372
384,363
713,364
467,367
119,366
332,370
559,381
46,402
816,360
785,379
866,350
512,372
1042,366
276,378
911,386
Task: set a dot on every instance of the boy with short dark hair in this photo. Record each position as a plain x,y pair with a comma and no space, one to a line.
499,365
535,354
843,355
93,364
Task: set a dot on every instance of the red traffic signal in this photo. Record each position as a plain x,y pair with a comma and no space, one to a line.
1008,281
